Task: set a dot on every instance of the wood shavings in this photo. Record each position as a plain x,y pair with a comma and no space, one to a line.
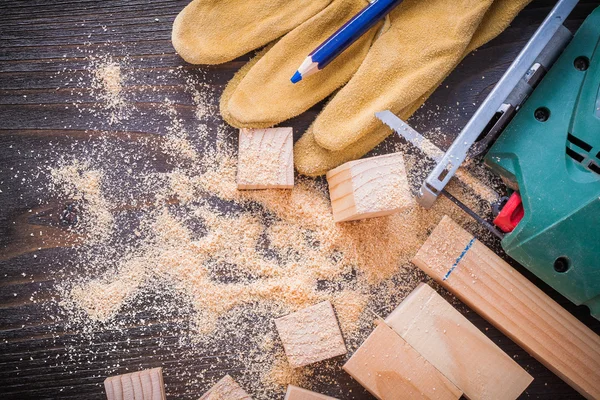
226,262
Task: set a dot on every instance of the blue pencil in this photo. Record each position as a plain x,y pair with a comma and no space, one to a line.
344,37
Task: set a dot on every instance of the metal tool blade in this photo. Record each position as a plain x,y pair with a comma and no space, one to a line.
456,154
411,135
433,152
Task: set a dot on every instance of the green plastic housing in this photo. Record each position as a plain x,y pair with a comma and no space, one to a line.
555,166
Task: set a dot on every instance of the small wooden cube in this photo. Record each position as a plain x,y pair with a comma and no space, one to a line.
296,393
226,389
141,385
266,159
390,369
450,342
367,188
310,335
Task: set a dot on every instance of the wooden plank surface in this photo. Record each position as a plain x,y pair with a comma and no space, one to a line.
460,351
140,385
311,335
297,393
370,187
513,304
44,45
265,159
390,368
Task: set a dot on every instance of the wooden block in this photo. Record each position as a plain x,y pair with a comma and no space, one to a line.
310,335
388,367
460,351
367,188
141,385
296,393
226,389
514,305
266,159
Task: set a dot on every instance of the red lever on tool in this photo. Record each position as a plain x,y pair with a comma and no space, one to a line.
511,214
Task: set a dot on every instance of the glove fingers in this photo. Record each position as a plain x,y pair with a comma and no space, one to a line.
426,40
313,160
264,95
213,31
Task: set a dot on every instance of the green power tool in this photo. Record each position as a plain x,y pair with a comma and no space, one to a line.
550,154
542,121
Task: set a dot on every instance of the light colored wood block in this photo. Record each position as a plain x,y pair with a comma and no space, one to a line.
226,389
311,335
141,385
460,351
370,187
296,393
514,305
266,159
388,367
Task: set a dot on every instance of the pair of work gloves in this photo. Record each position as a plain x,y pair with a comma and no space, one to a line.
395,66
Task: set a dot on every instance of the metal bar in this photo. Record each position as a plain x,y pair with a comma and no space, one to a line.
456,154
474,215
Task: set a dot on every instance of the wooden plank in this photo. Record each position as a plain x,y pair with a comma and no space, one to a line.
370,187
140,385
226,389
297,393
311,335
460,351
266,159
514,305
387,366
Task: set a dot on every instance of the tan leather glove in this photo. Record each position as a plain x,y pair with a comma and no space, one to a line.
312,159
396,67
216,31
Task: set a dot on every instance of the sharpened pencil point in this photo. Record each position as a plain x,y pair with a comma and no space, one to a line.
296,78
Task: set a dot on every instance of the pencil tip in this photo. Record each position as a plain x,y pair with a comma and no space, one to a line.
296,78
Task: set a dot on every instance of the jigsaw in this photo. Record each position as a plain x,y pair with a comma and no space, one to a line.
539,130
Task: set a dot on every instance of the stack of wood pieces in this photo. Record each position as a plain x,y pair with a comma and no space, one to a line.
141,385
370,187
386,366
226,389
513,304
265,159
427,349
311,335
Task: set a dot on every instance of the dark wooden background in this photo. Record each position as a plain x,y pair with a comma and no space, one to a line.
39,41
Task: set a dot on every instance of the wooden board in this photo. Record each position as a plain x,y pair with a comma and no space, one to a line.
388,367
266,159
47,43
369,187
513,304
141,385
311,335
459,350
226,389
297,393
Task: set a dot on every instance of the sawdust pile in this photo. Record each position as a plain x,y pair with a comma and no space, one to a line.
108,81
237,260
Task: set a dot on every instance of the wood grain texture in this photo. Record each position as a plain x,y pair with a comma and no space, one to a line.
297,393
43,45
460,351
140,385
226,389
266,159
311,335
513,304
369,187
388,367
